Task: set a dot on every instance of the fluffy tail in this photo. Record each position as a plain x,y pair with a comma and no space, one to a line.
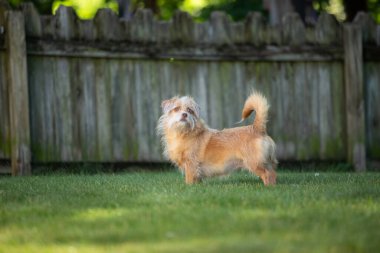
258,103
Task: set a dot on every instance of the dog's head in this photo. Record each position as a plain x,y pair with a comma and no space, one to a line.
179,114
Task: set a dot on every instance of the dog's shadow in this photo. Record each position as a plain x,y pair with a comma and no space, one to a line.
233,180
248,179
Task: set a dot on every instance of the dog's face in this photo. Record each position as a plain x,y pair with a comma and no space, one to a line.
180,114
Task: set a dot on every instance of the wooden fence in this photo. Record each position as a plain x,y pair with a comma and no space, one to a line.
76,90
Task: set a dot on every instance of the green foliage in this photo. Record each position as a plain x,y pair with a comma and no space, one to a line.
167,8
85,9
156,211
44,6
374,9
200,9
333,6
237,10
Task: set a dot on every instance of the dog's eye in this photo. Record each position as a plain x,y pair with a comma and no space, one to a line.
190,111
176,109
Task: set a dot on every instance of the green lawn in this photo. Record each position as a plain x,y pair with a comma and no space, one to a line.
157,212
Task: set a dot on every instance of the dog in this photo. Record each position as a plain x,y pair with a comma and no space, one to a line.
202,152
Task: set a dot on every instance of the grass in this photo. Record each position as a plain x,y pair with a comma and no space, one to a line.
157,212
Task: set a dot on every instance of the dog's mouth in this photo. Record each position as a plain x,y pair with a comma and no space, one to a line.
182,123
185,123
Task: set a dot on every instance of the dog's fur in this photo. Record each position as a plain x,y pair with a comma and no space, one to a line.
200,151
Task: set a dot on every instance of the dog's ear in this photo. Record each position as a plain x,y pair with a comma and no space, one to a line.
196,108
168,104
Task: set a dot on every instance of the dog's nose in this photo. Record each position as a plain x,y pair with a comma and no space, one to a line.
184,115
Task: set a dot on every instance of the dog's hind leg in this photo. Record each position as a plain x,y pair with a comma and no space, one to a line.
267,175
270,176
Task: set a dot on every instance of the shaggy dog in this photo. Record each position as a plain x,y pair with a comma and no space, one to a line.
200,151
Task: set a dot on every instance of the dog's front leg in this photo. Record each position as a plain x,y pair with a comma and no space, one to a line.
191,173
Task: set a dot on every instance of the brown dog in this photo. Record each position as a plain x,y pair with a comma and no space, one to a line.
200,151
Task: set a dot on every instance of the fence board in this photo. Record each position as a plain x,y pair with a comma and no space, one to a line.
372,84
64,117
87,111
103,110
302,125
50,111
5,148
325,110
354,91
17,82
36,75
117,102
313,82
76,100
338,139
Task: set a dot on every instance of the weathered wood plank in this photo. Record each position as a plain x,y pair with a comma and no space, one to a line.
201,32
18,93
64,117
65,23
131,141
227,86
32,20
290,121
87,108
49,24
240,87
142,89
36,78
367,26
302,112
4,7
200,89
254,29
163,29
293,30
215,97
276,110
326,128
372,81
219,31
313,82
118,100
167,84
86,31
207,53
103,110
354,91
183,29
48,97
327,30
237,33
5,141
141,28
155,111
337,144
76,101
108,26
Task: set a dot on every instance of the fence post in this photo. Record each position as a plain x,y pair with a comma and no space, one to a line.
354,89
18,92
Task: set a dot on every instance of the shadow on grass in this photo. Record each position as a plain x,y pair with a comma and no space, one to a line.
91,168
284,177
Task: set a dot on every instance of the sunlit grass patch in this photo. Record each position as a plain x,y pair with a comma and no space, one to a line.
157,212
